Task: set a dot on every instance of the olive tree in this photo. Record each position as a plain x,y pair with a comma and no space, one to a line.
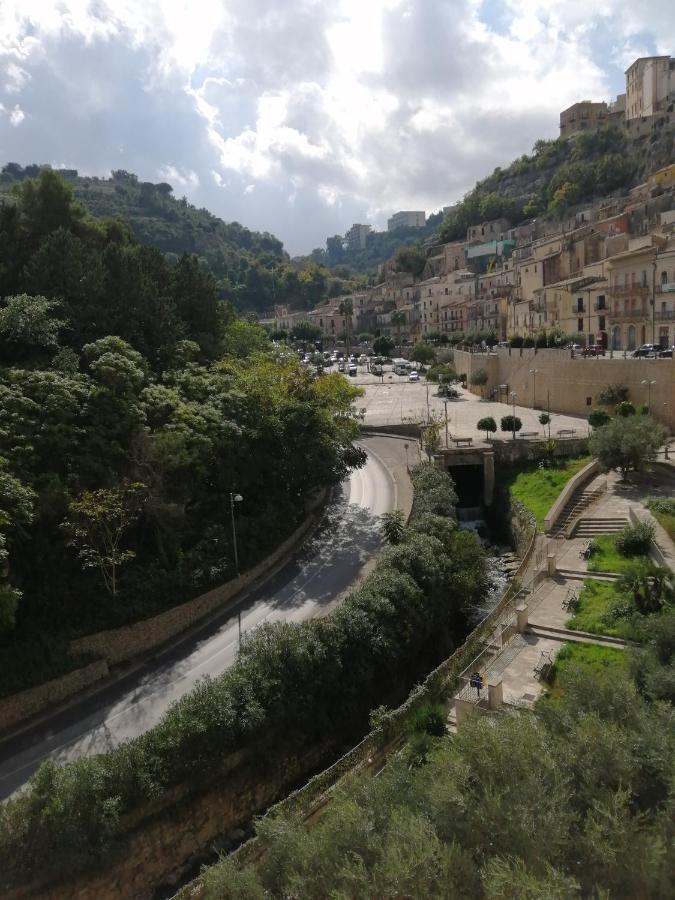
627,443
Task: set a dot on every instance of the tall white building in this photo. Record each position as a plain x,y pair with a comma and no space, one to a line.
356,236
650,82
407,219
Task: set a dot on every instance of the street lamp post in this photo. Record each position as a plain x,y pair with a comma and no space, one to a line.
235,498
649,382
445,404
533,373
654,301
513,418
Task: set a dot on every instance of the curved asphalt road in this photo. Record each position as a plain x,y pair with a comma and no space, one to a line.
346,538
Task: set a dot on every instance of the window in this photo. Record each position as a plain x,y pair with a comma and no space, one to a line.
580,325
589,401
580,304
601,323
601,301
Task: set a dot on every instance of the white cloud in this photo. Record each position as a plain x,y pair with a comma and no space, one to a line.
301,116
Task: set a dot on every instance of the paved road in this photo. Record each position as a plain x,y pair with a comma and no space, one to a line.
346,538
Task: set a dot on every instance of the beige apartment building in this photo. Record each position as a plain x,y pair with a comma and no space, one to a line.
583,116
650,82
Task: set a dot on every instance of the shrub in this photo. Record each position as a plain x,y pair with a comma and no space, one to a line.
625,409
598,418
635,540
516,341
511,423
613,394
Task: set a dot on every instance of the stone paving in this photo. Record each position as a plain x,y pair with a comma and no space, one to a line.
395,400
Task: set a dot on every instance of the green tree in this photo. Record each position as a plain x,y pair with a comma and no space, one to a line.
98,522
383,345
28,328
613,394
488,425
511,423
392,526
479,378
544,420
625,409
398,320
305,331
431,439
627,444
598,418
410,258
423,353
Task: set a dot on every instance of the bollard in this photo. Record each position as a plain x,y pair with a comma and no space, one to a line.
551,566
495,692
521,618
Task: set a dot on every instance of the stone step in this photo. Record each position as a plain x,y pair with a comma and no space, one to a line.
568,634
579,575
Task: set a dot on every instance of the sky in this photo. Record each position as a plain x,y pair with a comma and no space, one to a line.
300,117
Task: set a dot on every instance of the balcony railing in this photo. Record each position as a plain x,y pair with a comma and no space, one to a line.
665,288
663,315
631,290
635,315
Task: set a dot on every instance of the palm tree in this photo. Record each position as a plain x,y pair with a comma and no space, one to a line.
398,318
346,309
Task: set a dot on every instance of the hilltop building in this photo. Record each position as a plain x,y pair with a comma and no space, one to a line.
356,237
407,219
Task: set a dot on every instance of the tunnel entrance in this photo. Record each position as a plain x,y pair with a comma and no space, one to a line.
469,485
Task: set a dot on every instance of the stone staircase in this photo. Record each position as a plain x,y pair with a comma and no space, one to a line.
577,503
590,527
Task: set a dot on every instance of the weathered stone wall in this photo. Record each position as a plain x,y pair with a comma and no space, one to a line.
162,838
17,707
569,384
120,644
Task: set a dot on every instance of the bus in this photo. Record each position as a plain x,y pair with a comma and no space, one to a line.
401,366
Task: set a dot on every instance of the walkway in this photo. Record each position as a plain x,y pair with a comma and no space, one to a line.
547,617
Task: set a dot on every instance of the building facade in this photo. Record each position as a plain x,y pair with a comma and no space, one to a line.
407,219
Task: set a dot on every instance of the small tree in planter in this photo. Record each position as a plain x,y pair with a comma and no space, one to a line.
488,425
512,424
544,420
625,409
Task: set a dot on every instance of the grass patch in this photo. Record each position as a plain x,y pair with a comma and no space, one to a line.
606,557
538,488
595,660
596,600
667,522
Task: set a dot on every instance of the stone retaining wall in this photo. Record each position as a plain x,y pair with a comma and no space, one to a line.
28,703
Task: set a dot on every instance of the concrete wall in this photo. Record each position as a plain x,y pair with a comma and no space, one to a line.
570,383
18,707
120,644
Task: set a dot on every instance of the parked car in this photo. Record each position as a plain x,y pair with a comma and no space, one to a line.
341,366
414,376
593,350
667,353
352,370
363,359
377,370
646,350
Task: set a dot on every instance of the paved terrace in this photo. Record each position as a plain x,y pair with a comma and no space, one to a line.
397,400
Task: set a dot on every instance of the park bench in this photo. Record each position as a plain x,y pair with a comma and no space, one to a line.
571,600
562,432
528,434
462,441
544,665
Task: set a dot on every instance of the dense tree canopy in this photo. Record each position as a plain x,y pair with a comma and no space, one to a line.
122,367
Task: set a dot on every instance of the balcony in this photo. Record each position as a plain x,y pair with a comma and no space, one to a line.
664,315
665,288
632,290
634,315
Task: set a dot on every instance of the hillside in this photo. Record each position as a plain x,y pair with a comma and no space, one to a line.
560,174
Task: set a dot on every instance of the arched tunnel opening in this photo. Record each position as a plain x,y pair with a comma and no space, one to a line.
469,487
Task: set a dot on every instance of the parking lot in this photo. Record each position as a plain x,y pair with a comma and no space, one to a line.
393,400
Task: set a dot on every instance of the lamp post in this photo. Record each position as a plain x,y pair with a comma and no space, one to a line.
533,373
445,404
235,498
649,382
513,420
407,465
654,301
